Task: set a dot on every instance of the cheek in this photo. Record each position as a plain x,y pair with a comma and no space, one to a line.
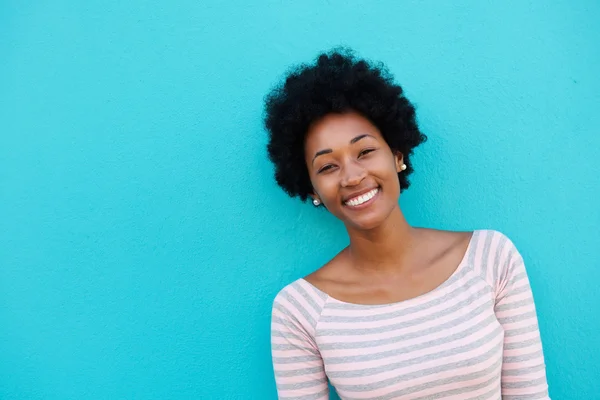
384,167
385,172
325,186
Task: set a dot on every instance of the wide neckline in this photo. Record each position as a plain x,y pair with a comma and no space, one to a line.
461,265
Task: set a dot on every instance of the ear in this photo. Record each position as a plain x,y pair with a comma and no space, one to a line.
314,196
399,159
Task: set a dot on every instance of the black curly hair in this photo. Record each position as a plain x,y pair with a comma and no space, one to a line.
337,83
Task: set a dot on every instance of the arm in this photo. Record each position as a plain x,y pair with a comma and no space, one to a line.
297,363
523,368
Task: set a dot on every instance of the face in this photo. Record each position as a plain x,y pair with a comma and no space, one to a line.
353,171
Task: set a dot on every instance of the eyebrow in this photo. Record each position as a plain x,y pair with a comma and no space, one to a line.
354,140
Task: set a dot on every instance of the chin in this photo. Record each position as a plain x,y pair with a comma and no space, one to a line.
365,222
365,226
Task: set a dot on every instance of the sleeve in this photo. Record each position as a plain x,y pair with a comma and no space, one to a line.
297,362
523,367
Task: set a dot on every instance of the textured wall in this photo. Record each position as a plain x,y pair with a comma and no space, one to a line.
142,238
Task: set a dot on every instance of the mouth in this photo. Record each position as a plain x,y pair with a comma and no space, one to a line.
362,200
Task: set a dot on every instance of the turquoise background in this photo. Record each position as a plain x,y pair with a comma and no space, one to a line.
142,236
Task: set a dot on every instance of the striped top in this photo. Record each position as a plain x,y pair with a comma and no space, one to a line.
473,337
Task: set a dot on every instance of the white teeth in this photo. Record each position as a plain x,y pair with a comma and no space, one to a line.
362,198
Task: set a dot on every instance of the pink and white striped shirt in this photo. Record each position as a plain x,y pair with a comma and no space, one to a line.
474,337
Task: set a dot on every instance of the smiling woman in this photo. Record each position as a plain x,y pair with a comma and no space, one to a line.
401,312
356,178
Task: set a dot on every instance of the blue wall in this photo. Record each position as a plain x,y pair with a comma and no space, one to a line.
142,237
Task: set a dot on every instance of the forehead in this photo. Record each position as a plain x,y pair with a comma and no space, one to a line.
337,130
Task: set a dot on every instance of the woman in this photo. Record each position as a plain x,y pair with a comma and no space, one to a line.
402,312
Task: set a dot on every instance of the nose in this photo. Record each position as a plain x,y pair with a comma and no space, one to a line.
353,174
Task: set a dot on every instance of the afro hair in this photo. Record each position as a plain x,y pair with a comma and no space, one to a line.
337,83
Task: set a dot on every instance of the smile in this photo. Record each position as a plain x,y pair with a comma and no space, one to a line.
362,199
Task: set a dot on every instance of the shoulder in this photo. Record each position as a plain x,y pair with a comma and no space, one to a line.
329,277
492,243
300,302
298,290
493,255
442,241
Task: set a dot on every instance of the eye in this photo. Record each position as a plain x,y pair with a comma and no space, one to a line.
365,151
325,168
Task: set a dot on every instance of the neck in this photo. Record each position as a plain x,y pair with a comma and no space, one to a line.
385,248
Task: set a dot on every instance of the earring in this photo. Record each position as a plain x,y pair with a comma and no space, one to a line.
403,167
316,202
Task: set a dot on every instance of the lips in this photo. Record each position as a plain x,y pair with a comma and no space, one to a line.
359,198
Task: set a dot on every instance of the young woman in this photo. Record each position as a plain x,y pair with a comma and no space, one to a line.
401,312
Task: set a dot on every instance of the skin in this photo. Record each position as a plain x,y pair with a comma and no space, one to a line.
387,260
